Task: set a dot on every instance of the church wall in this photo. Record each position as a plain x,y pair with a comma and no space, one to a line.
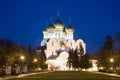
55,44
71,43
52,46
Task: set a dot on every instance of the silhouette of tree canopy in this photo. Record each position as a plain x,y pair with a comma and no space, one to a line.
77,59
42,60
10,52
106,52
85,61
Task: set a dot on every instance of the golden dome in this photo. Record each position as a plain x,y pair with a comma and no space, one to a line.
58,23
69,28
50,27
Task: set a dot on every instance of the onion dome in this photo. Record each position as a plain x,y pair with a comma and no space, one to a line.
45,31
69,28
50,27
43,43
58,23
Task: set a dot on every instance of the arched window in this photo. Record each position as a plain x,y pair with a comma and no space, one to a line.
59,35
55,35
79,45
71,44
52,43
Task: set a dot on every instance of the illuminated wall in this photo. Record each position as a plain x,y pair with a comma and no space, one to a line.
54,45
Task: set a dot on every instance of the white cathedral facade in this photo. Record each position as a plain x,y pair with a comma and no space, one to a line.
59,39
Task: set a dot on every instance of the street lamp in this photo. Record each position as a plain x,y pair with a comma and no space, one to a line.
35,60
22,59
111,60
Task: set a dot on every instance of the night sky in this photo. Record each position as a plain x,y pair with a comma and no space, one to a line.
24,20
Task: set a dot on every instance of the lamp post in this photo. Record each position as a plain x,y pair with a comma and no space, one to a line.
112,61
35,61
22,59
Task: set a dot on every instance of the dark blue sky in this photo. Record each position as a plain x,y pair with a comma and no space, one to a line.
24,20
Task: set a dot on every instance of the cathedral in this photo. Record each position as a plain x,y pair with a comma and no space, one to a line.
58,40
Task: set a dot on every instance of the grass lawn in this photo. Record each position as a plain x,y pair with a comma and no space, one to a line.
68,75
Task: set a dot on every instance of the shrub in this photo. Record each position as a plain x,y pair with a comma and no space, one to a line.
118,72
102,70
2,71
105,71
110,71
